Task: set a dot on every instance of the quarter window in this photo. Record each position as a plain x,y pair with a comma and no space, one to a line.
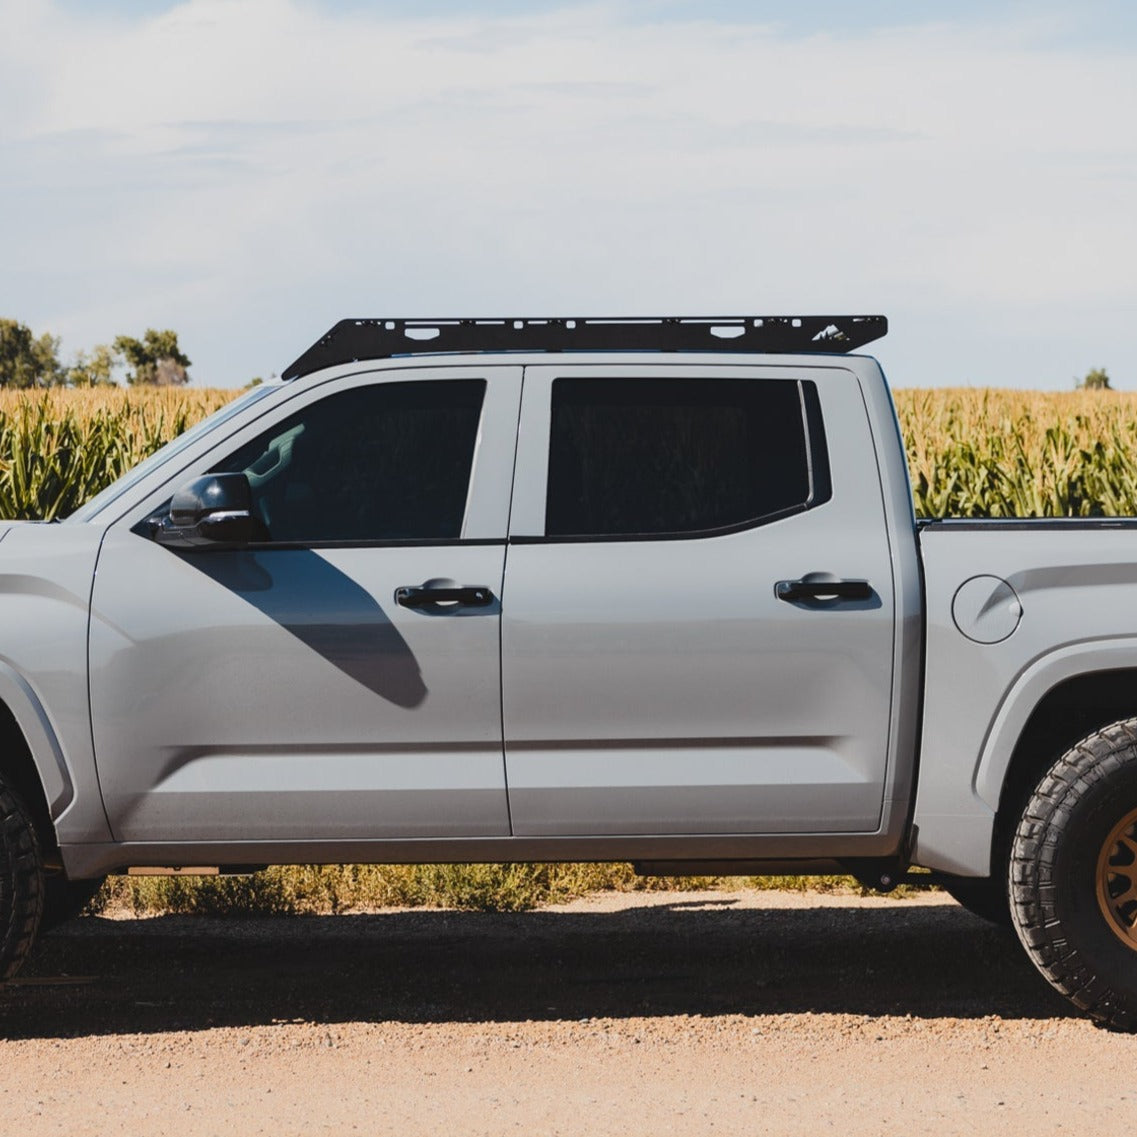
674,457
388,461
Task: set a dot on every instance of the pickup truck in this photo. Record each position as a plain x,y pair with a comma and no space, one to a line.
535,590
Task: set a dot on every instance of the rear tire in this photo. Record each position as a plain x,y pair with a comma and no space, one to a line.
1073,876
21,883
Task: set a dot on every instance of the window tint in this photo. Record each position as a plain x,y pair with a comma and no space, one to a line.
374,463
637,457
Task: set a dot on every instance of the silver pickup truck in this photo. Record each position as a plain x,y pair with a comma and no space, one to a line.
575,590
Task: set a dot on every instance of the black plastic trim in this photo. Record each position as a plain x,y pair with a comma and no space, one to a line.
420,596
692,535
1025,524
792,590
820,478
393,543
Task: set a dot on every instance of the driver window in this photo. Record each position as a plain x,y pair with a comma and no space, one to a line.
383,462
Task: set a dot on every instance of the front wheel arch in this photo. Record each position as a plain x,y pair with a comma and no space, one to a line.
1070,710
21,882
19,770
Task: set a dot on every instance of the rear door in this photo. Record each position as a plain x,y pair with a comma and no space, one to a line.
288,690
674,661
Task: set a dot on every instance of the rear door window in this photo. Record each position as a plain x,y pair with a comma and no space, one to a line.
646,457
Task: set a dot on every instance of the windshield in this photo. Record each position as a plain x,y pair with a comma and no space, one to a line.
171,450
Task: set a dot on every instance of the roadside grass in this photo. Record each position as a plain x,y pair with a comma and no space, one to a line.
291,890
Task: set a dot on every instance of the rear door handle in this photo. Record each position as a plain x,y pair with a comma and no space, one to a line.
423,595
814,589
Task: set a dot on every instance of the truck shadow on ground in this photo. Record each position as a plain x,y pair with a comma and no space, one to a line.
105,977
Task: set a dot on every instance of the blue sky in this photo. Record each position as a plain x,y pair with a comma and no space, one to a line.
1094,20
249,171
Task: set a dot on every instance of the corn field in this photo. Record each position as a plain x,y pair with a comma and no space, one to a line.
60,447
971,452
996,453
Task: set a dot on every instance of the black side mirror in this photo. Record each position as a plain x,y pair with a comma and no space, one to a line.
216,509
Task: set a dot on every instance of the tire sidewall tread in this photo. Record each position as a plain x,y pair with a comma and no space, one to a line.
21,883
1052,873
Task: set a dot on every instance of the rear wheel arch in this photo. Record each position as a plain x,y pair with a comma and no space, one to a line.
1069,711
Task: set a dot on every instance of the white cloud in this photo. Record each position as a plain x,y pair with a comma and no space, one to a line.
249,170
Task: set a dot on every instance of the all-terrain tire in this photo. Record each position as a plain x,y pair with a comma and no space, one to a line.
1063,885
21,883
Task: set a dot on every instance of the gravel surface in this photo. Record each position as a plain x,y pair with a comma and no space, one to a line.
659,1013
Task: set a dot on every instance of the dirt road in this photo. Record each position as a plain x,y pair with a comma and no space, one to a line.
650,1014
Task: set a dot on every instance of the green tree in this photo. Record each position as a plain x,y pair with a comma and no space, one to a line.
27,360
94,370
155,359
1096,380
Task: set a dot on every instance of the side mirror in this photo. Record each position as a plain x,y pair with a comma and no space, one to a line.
216,509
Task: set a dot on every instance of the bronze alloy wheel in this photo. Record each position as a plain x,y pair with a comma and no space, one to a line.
1116,879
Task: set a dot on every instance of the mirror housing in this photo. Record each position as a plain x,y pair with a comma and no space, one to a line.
213,510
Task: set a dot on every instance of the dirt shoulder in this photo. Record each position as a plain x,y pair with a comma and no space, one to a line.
640,1014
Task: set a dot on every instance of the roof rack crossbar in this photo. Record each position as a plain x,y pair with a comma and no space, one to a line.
352,340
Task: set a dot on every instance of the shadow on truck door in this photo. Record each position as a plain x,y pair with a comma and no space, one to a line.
326,610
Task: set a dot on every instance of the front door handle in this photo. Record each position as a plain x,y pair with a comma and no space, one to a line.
443,592
814,588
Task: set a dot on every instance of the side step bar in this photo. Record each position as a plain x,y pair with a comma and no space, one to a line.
194,870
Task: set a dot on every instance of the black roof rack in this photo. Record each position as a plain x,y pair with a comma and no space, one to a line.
352,340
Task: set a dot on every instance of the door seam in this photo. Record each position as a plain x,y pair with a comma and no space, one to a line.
501,617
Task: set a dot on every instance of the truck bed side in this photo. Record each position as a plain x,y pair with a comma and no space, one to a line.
1028,649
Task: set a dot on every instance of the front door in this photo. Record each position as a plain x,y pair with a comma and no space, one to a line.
282,691
656,678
